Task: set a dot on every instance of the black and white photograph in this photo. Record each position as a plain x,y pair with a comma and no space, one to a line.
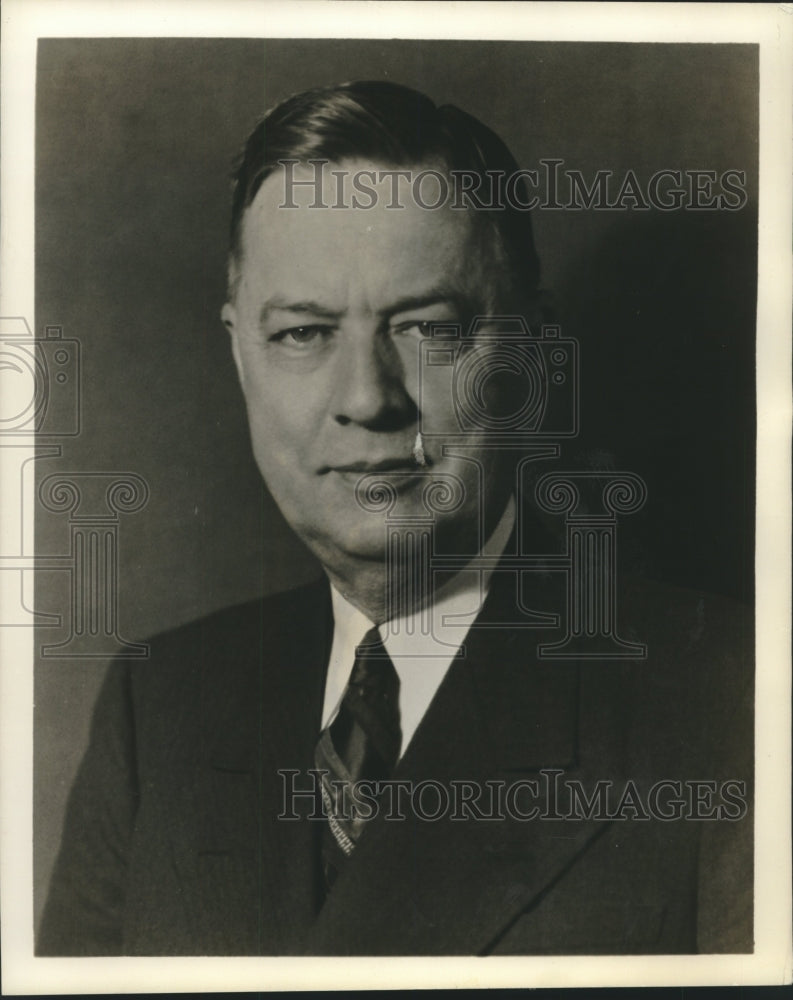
384,432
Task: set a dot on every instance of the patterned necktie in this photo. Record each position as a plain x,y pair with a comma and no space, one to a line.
361,744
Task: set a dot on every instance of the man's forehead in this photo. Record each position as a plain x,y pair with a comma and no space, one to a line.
325,246
359,182
354,194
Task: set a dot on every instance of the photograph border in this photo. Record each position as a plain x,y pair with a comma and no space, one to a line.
768,25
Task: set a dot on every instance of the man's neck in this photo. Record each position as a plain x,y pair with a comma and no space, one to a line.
364,588
383,591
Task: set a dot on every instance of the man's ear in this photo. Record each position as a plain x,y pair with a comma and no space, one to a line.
229,316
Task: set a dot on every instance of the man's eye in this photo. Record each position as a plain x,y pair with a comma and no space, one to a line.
301,336
417,328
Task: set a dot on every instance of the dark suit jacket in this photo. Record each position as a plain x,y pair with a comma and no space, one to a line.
172,843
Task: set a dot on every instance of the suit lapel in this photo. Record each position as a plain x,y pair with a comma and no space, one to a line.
260,709
452,886
414,885
288,850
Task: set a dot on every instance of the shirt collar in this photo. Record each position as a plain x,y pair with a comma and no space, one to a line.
421,659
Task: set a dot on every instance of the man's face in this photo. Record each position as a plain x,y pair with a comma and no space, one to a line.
330,308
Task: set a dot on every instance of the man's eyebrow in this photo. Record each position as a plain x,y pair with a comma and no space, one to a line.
279,304
433,296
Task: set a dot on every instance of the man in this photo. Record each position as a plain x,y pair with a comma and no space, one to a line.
383,762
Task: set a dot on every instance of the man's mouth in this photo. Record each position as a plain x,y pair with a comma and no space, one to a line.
401,471
400,464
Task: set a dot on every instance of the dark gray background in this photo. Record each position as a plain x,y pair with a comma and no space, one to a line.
135,140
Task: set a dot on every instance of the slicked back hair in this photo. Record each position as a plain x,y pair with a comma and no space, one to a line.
399,127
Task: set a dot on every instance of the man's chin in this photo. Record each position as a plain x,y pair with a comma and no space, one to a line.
337,542
376,545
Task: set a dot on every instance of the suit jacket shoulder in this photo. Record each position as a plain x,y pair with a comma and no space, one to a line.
178,839
158,727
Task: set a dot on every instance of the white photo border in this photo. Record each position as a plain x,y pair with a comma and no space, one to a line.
768,25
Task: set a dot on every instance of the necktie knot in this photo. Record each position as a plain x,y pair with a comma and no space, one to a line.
361,744
373,673
365,733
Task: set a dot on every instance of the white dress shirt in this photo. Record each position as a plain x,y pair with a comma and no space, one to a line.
421,660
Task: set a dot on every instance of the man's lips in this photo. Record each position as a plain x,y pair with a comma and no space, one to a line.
400,464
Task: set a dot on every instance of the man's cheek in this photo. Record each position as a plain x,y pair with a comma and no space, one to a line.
437,406
280,457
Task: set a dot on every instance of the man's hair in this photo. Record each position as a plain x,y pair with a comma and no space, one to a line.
399,127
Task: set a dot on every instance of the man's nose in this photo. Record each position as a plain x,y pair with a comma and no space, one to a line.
370,385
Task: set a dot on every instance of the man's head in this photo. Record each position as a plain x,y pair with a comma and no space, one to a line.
394,126
328,306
